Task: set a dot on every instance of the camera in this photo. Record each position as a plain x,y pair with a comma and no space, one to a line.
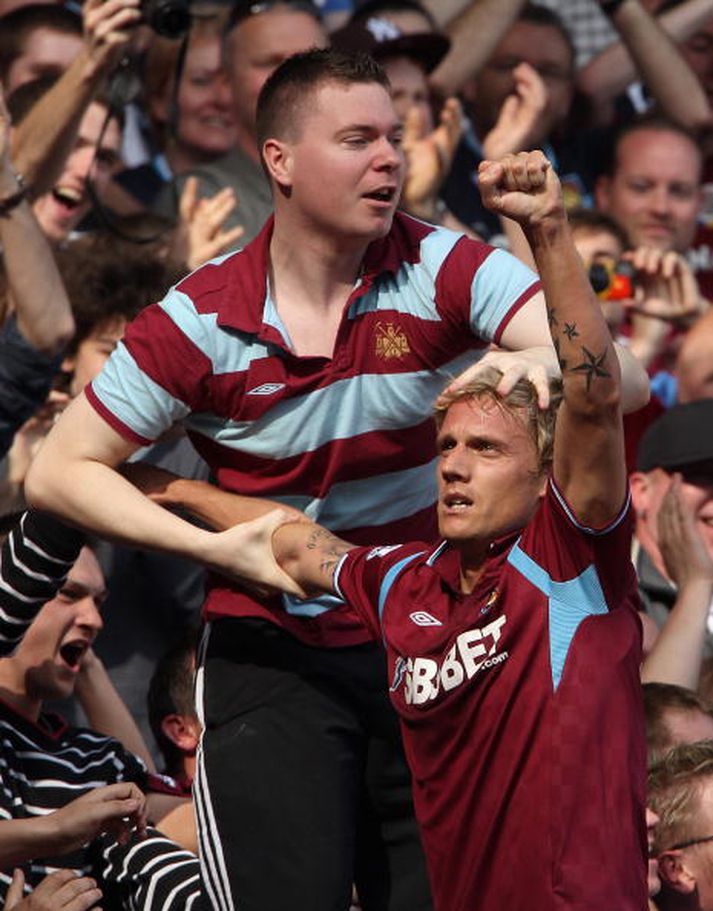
612,282
169,18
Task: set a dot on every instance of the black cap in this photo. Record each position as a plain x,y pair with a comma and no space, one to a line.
680,438
381,38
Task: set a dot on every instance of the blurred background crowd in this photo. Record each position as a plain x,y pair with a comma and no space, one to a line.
128,157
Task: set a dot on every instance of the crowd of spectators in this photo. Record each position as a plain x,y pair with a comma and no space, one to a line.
128,159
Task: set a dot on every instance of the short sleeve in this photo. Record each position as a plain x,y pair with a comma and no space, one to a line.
494,283
365,575
159,373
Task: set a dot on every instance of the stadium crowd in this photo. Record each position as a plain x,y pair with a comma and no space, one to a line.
356,425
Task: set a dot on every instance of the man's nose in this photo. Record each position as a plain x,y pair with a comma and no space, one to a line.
88,615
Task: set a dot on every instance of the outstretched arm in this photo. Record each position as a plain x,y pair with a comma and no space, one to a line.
589,465
307,552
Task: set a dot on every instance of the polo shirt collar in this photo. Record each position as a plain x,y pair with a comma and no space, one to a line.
246,287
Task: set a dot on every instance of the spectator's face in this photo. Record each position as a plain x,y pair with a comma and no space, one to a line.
46,52
409,88
546,50
596,246
345,169
256,47
655,192
206,123
648,490
61,210
697,860
50,654
93,353
489,482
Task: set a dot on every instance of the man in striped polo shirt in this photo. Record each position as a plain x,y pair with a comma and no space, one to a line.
303,368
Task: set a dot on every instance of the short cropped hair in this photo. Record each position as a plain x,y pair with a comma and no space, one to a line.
649,121
592,221
171,693
521,402
17,25
660,698
675,788
283,98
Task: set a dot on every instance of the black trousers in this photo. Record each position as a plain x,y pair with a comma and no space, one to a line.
302,787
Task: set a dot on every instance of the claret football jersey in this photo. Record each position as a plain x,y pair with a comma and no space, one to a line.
521,712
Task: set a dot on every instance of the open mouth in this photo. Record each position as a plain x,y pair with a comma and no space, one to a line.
384,194
67,197
456,501
72,653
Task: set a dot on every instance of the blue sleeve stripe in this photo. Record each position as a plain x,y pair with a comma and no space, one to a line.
390,578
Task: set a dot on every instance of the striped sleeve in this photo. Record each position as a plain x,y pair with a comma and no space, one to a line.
34,561
153,874
493,282
159,373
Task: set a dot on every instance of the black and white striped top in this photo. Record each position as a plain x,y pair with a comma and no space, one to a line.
44,766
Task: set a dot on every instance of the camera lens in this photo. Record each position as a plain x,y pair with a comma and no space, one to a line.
169,18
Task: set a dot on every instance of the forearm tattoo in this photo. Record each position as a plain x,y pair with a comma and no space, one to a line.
330,549
592,364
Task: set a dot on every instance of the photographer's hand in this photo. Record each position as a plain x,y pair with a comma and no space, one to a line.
109,27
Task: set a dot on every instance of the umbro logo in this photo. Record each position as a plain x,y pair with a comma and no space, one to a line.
381,551
423,618
266,389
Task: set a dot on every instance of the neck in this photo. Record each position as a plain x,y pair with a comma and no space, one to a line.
473,555
14,692
316,268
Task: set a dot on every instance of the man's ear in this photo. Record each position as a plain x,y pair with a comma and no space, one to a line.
181,730
674,869
640,487
277,156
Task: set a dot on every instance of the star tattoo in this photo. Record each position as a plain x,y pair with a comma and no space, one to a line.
591,367
570,330
551,318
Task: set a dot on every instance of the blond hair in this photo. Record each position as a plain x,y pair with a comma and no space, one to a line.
521,402
675,786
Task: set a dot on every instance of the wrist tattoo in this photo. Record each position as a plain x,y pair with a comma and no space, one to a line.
332,549
551,317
